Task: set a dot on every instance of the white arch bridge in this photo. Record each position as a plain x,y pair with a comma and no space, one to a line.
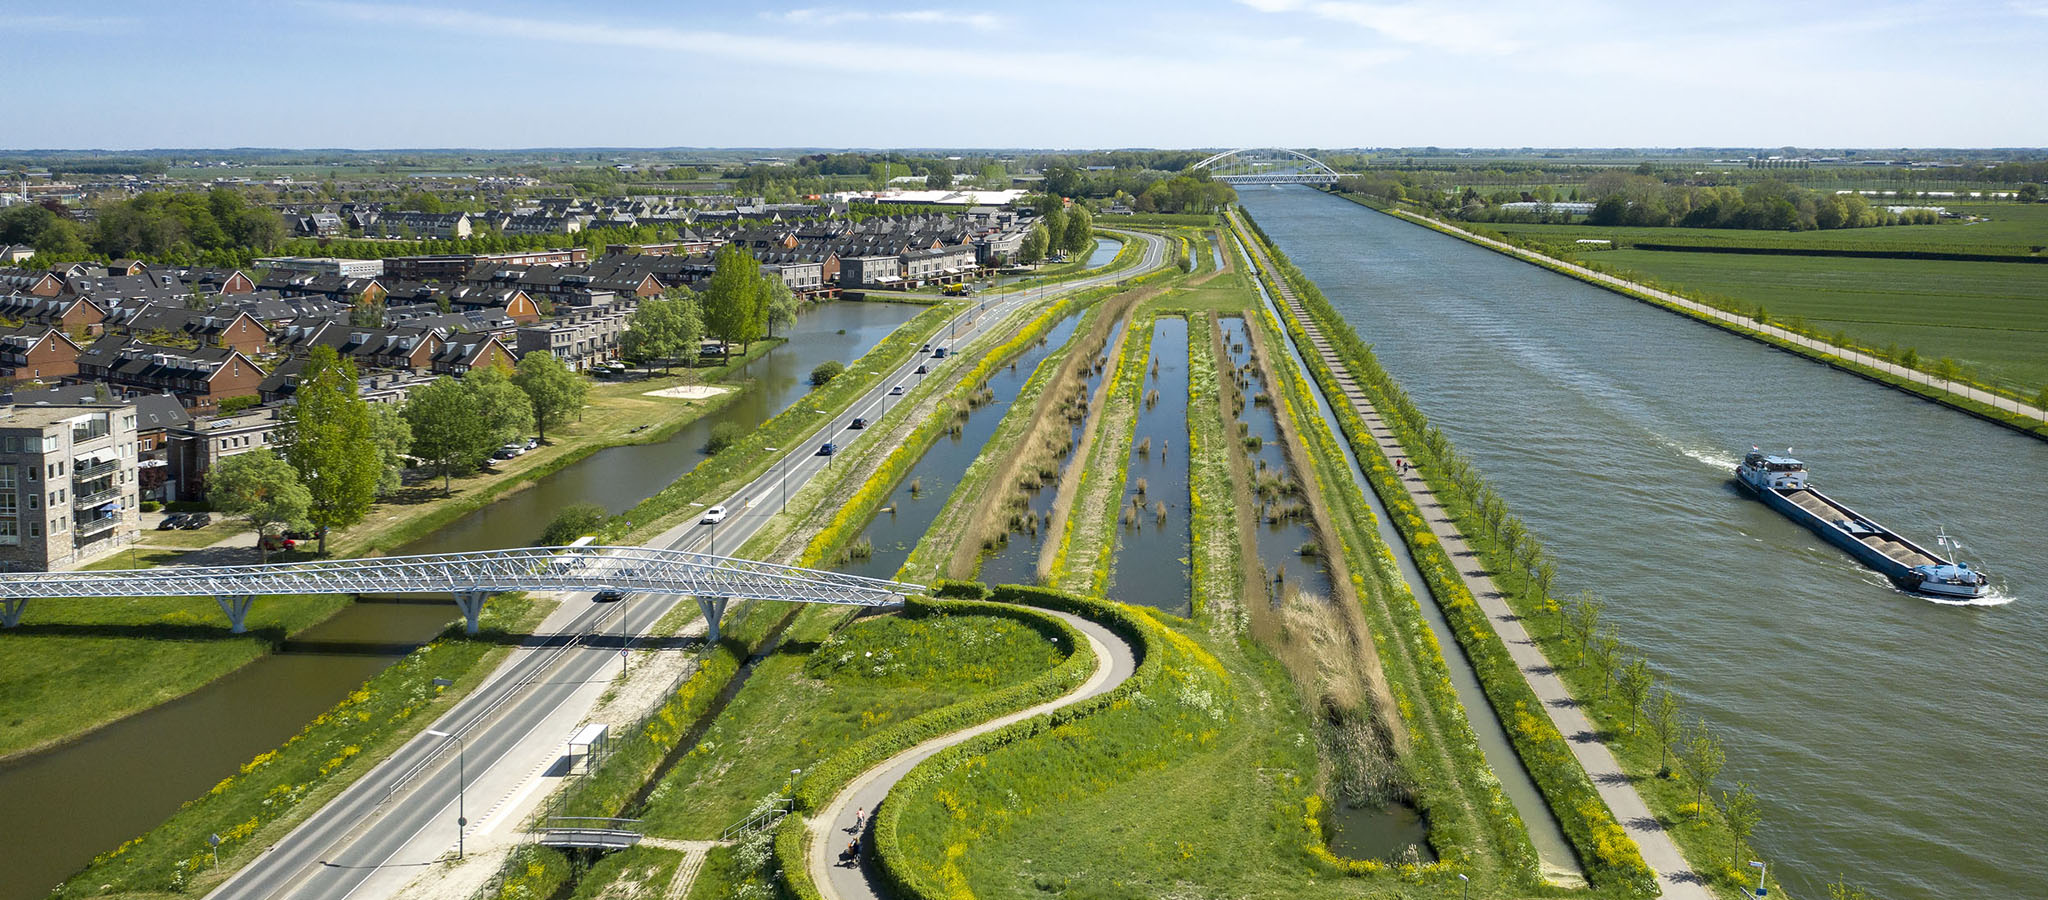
1267,165
471,578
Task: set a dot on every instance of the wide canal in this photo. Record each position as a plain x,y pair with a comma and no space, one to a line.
1892,739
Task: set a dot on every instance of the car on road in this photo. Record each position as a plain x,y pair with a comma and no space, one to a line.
608,595
896,391
196,520
713,516
923,370
857,424
174,520
828,449
938,353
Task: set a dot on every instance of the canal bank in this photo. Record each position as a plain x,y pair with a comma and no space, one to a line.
1804,662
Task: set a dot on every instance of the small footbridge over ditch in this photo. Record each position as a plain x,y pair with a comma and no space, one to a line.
471,578
1267,165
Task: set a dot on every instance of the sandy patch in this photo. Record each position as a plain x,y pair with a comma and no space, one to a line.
689,391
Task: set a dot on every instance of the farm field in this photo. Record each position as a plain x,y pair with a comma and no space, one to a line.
1991,318
2008,228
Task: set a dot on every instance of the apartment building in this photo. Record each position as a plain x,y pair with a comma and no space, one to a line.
67,484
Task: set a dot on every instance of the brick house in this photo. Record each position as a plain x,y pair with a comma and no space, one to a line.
37,351
200,378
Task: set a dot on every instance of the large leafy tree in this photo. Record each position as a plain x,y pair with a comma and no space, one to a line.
551,387
443,416
663,328
393,436
504,414
1080,233
732,302
780,302
260,490
1033,249
328,438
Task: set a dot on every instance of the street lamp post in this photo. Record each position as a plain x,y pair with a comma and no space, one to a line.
1464,886
461,787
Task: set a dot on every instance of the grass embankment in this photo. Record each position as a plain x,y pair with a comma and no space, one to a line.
1903,356
2007,229
75,665
1702,834
272,793
829,683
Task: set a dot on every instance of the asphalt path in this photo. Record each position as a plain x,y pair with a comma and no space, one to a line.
367,829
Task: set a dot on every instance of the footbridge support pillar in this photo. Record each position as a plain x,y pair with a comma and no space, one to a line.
472,605
713,609
237,608
10,611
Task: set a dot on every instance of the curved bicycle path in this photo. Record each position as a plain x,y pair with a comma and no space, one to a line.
1115,660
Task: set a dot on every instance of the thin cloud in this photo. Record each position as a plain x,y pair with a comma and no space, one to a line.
72,23
818,16
1433,25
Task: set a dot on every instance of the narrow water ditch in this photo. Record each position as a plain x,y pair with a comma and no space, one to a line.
1015,560
914,503
1151,563
1282,533
141,768
1545,834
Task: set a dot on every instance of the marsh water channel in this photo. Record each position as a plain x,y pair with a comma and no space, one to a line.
1892,739
916,500
1151,562
89,795
1280,539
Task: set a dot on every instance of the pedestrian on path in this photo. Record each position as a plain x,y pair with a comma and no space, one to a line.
860,818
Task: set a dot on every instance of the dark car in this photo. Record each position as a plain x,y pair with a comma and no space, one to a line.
926,348
939,353
609,595
174,520
828,449
857,424
923,370
196,520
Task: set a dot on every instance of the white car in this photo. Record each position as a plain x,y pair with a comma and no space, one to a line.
713,516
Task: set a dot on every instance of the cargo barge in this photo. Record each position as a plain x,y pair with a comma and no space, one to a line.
1780,481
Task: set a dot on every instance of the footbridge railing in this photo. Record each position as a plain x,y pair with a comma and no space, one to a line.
470,578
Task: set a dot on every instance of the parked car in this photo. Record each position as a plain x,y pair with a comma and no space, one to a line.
302,535
713,516
828,449
509,451
174,520
896,391
608,595
857,424
533,443
275,542
196,520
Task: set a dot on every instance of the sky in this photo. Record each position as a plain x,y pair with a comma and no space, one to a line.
1057,74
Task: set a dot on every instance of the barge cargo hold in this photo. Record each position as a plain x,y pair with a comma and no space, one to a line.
1780,481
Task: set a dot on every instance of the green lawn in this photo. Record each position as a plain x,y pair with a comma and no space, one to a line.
78,664
819,692
1990,317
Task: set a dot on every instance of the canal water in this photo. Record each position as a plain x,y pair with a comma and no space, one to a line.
141,768
1154,528
620,477
1105,250
1016,561
65,806
1891,739
917,499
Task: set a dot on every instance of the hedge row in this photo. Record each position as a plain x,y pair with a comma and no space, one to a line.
1609,856
824,781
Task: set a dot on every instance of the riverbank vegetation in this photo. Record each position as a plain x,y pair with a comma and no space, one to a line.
253,808
1522,571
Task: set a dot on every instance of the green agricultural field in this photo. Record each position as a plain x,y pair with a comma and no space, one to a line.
822,690
1992,318
2007,228
78,664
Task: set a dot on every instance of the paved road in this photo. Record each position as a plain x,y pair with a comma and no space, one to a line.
1675,875
834,826
1886,366
399,819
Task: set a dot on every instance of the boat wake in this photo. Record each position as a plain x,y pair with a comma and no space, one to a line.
1993,597
1721,462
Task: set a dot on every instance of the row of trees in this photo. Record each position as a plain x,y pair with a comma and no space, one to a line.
1059,230
740,304
340,453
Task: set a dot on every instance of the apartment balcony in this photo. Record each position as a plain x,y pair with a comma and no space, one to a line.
87,501
83,473
94,528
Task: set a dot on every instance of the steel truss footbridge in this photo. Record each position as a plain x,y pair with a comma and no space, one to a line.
1267,165
471,578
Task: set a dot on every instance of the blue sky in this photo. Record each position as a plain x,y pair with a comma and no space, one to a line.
1559,73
